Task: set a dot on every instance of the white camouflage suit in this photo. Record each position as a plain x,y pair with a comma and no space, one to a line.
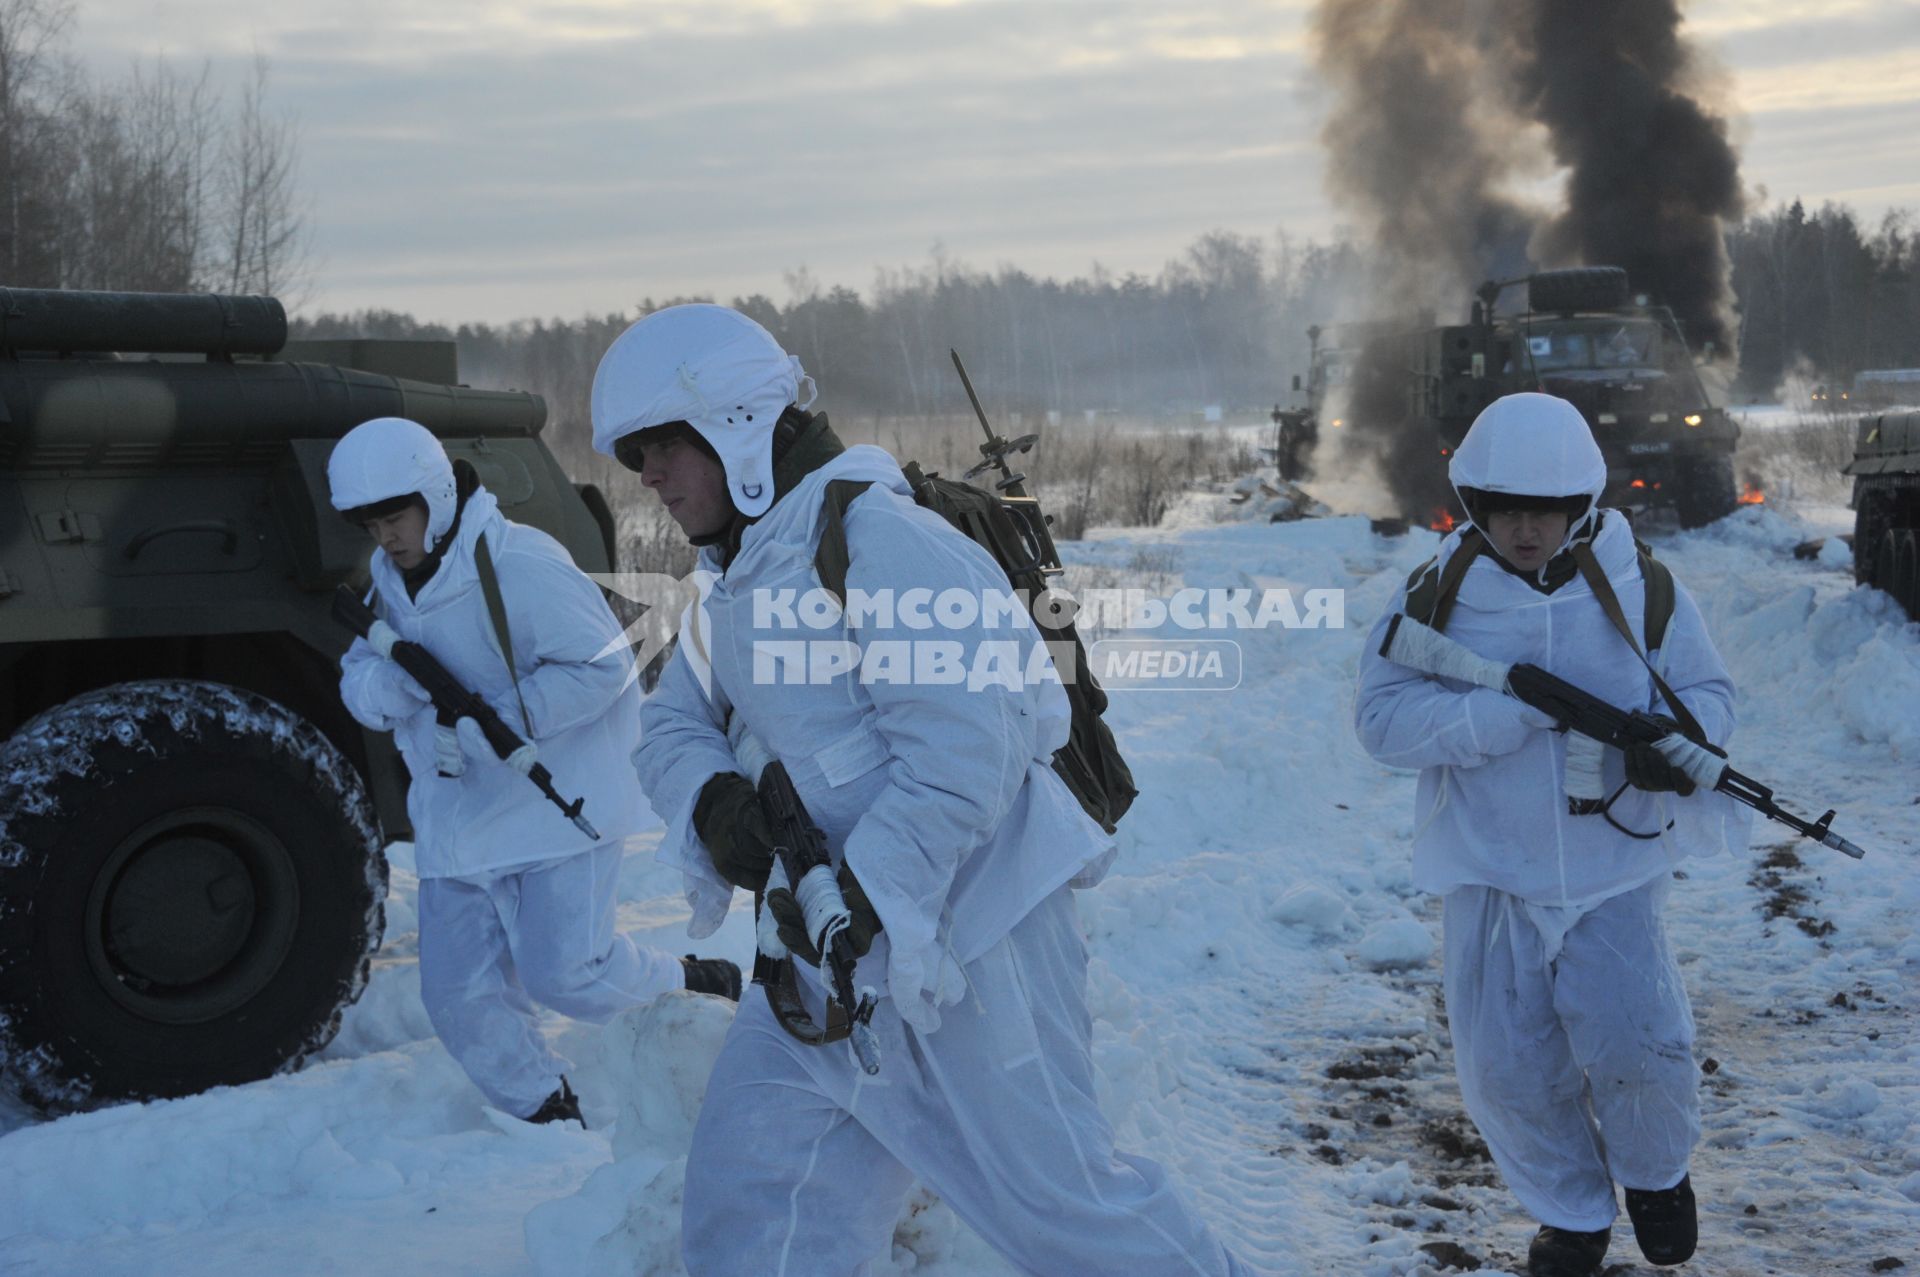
943,800
1571,1028
516,905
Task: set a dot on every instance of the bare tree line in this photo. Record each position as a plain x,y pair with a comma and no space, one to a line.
149,184
1221,325
1225,323
1823,297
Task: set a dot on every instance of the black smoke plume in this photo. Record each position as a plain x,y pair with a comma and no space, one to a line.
1652,176
1439,105
1413,148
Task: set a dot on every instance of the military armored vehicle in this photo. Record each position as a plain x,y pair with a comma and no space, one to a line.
1886,506
192,872
1622,361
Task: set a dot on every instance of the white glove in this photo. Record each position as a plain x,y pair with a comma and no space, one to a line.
449,759
1502,724
390,692
474,743
381,637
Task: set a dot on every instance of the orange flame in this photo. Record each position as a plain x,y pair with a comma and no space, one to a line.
1442,520
1752,496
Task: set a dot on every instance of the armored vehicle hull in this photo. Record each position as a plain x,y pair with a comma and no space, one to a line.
1886,505
191,827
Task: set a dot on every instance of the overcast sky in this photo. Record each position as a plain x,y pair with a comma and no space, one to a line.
495,159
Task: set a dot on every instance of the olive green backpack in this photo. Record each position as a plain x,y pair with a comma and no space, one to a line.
1090,761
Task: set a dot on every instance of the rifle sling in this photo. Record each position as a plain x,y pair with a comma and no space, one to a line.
831,558
497,609
1610,604
1447,580
777,979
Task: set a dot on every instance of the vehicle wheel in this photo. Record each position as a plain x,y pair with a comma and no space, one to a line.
1706,492
191,885
1886,563
1906,572
1869,536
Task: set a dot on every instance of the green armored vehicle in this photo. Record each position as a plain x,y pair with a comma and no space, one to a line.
191,827
1886,506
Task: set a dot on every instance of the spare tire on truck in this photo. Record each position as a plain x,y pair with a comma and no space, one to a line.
192,883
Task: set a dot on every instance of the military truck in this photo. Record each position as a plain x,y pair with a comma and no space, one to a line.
1622,361
1886,506
192,875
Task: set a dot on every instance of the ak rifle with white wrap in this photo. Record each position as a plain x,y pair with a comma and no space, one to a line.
453,700
1423,648
801,864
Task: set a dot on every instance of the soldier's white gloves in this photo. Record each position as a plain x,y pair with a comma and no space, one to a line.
474,743
381,637
390,691
449,759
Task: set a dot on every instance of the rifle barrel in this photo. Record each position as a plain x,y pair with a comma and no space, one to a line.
1576,708
972,398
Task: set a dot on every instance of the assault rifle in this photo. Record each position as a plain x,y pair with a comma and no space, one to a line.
1423,648
1012,488
801,864
455,702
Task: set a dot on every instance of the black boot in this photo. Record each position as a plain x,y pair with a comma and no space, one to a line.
1559,1252
712,975
1664,1222
562,1106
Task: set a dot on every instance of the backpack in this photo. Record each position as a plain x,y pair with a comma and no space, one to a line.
1090,761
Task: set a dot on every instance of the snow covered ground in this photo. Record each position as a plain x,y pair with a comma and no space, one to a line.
1264,981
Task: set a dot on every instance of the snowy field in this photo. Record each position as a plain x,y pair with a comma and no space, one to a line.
1264,981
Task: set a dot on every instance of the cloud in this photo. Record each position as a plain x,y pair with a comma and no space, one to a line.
1875,79
489,159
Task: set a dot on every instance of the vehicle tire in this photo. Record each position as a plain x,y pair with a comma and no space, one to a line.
1706,491
1906,572
1578,288
192,882
1886,563
1869,537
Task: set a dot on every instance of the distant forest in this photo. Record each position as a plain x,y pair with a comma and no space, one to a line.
1820,297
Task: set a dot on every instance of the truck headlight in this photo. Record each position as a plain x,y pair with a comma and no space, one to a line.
1693,418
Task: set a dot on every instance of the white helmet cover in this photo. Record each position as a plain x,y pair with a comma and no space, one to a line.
714,369
390,457
1531,445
